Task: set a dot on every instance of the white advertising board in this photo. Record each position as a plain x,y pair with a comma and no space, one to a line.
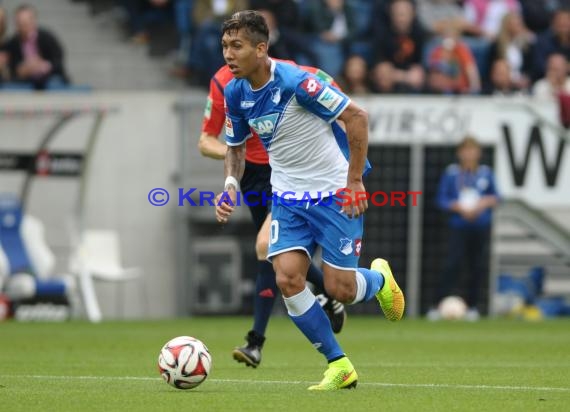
532,156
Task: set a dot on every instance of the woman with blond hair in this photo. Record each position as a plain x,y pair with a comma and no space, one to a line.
514,44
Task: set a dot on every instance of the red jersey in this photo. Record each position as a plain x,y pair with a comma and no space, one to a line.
215,116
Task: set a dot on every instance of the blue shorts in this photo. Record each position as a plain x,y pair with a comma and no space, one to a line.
302,225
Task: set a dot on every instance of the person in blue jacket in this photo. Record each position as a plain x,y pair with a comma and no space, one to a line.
468,192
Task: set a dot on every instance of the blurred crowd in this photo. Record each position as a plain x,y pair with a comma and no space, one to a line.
501,47
390,46
33,57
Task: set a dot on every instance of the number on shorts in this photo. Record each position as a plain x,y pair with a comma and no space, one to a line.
274,232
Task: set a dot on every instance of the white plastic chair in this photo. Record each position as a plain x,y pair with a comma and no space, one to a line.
98,258
41,256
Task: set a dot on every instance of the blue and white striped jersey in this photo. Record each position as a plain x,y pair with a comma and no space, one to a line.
294,114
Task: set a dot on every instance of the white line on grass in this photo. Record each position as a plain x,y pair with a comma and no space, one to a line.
270,382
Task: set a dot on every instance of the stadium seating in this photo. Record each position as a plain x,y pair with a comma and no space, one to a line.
26,262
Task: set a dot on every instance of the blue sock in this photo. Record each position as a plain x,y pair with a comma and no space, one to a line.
315,276
374,282
317,328
265,293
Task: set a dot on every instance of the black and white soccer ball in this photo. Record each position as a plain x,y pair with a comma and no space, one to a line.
184,362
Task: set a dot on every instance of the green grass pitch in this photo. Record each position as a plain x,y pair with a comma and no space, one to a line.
413,365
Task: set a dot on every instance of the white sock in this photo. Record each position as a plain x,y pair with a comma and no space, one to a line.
360,288
300,303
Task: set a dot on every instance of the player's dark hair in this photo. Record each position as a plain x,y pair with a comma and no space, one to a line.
252,23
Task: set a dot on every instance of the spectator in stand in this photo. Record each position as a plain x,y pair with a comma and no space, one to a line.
278,47
554,40
284,45
556,80
501,82
398,50
206,49
286,12
289,25
452,68
488,14
142,14
538,13
381,13
437,15
333,24
4,72
183,20
36,56
3,24
354,78
514,44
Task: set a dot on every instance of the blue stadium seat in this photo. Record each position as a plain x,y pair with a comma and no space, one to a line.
26,263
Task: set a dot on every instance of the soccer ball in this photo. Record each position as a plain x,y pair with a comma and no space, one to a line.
452,308
184,362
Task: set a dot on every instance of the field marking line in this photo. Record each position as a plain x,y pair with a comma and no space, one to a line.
272,382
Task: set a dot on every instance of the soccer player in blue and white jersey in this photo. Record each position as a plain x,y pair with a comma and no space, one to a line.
256,180
295,115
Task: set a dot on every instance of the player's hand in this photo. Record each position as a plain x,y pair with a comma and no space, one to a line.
469,214
225,204
358,199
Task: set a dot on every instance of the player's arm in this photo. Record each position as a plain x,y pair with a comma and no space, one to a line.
237,132
210,146
234,165
213,123
356,121
330,104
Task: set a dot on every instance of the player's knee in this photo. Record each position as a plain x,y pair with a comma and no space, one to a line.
289,283
340,289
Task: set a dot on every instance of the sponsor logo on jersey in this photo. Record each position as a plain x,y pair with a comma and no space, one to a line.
345,246
325,77
265,125
229,127
357,247
246,104
330,99
208,109
276,95
312,86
